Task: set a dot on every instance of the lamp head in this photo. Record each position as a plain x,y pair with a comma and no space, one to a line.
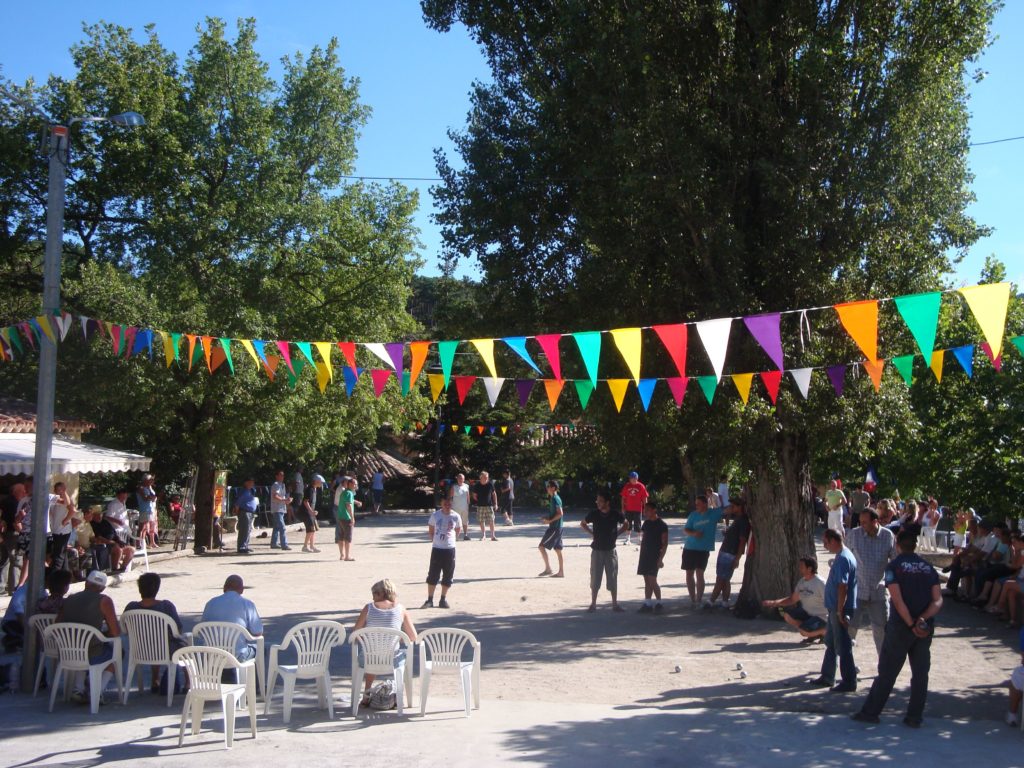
127,119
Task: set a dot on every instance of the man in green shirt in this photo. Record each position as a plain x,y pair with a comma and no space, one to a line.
346,517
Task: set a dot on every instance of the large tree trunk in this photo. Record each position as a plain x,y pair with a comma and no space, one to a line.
782,518
204,507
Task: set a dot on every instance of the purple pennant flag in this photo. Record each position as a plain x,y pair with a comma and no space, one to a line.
524,387
837,375
765,330
395,351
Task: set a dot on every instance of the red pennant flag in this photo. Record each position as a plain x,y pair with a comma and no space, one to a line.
549,343
348,349
115,335
771,381
380,379
997,362
677,385
479,429
129,339
674,339
463,385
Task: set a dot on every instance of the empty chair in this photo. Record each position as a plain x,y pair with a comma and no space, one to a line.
205,667
442,649
225,635
383,653
149,645
47,650
72,643
313,641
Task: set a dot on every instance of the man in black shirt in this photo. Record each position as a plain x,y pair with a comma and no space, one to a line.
734,544
653,545
604,525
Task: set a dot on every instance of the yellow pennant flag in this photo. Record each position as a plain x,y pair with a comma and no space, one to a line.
937,358
504,429
436,385
323,374
743,382
168,347
618,388
44,323
629,341
324,348
486,349
874,370
988,304
252,351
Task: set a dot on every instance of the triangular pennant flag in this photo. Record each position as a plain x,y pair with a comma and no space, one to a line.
176,345
30,329
553,388
324,348
380,351
248,347
646,388
742,381
1018,342
446,351
207,349
86,327
714,334
307,351
618,389
217,358
286,353
518,345
13,340
485,347
938,357
468,428
380,378
462,386
630,344
874,369
860,319
905,365
348,349
965,356
765,330
396,352
589,343
299,364
44,324
351,378
405,383
493,387
504,430
549,343
191,349
455,427
920,311
323,375
168,348
258,345
479,429
584,389
115,335
418,350
436,385
128,340
143,342
802,379
771,380
708,385
837,375
988,304
996,360
677,386
66,320
523,388
490,430
271,368
674,339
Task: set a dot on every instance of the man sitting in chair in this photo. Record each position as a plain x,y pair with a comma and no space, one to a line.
92,607
112,538
232,607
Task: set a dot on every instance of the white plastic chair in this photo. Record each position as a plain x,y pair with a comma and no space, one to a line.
149,634
313,641
379,645
225,635
72,643
47,650
139,543
205,667
442,649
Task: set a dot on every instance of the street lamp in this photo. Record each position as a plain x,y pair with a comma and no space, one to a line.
58,154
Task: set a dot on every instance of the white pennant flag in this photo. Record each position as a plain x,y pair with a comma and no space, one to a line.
85,326
802,377
378,349
493,387
714,335
64,323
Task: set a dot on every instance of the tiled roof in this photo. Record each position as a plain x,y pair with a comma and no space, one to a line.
20,416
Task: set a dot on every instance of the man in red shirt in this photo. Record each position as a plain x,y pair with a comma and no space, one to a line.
634,497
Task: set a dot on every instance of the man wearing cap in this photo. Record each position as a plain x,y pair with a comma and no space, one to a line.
246,504
92,607
310,500
231,607
634,496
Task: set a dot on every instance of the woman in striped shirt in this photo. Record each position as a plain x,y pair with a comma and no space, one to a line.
384,611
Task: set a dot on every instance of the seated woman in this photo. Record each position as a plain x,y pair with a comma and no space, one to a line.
384,611
149,586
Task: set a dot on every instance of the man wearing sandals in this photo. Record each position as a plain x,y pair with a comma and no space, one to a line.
604,526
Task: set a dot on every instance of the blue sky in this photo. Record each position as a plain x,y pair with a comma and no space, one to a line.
417,81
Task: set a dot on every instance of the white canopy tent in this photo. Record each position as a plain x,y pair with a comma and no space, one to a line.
17,455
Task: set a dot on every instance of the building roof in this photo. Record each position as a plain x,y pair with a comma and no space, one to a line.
17,456
20,416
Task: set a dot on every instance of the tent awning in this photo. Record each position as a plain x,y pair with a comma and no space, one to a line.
18,450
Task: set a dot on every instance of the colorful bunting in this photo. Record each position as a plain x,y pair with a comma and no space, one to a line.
905,365
307,351
351,378
518,345
405,383
323,375
396,355
771,381
207,342
485,348
714,334
860,319
874,369
43,322
630,344
674,339
418,350
677,385
493,387
553,388
766,332
524,387
436,385
589,343
938,356
549,343
584,389
837,375
462,386
1018,342
380,351
742,381
225,345
988,303
802,379
996,360
380,378
646,389
348,349
618,389
965,356
324,350
446,352
191,348
286,353
920,311
708,385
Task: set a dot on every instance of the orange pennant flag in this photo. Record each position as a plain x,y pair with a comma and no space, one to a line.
271,366
874,370
554,388
479,429
419,350
860,319
191,348
217,358
206,350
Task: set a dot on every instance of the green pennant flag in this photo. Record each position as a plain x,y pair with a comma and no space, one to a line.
307,350
405,383
446,351
589,343
12,337
708,384
120,342
293,378
905,365
468,427
197,352
298,365
1018,342
920,311
176,342
225,344
584,389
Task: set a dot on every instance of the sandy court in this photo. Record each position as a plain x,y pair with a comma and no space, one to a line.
541,647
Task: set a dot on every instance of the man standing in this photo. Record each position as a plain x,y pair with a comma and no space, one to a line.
506,493
835,500
873,546
734,544
700,541
377,487
804,610
604,527
298,492
346,517
61,513
916,597
552,538
723,490
634,496
278,512
246,504
444,527
145,497
841,602
92,607
486,500
232,607
10,560
653,545
459,496
859,501
310,500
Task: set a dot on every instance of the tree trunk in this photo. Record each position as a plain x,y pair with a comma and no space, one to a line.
686,467
781,516
204,507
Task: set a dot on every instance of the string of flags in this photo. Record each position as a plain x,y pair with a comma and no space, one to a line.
920,313
441,428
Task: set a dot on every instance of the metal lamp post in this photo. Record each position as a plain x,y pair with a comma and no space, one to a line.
58,154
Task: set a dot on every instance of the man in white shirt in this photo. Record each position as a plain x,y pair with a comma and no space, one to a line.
723,491
61,517
377,489
459,497
804,610
278,512
444,528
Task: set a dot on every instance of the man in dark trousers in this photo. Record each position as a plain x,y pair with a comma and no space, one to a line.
604,524
841,602
915,598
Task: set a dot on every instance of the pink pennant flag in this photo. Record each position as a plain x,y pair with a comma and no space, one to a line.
380,379
286,353
677,385
997,362
549,343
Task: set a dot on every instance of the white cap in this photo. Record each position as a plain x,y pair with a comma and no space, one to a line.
97,578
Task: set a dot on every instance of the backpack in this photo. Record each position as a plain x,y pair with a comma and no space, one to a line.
383,696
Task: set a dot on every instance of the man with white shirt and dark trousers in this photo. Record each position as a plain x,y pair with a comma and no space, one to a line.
444,528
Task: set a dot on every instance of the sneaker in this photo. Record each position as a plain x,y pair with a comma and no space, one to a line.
428,603
843,688
274,546
708,605
864,717
79,697
286,548
1011,719
645,609
658,608
820,682
443,603
306,549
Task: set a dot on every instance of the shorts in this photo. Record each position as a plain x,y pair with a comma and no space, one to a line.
505,505
648,565
307,520
633,521
725,565
442,563
808,623
343,531
378,496
695,559
484,515
604,562
552,538
145,517
1017,678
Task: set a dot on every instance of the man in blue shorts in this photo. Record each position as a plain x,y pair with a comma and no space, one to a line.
552,538
734,544
700,541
